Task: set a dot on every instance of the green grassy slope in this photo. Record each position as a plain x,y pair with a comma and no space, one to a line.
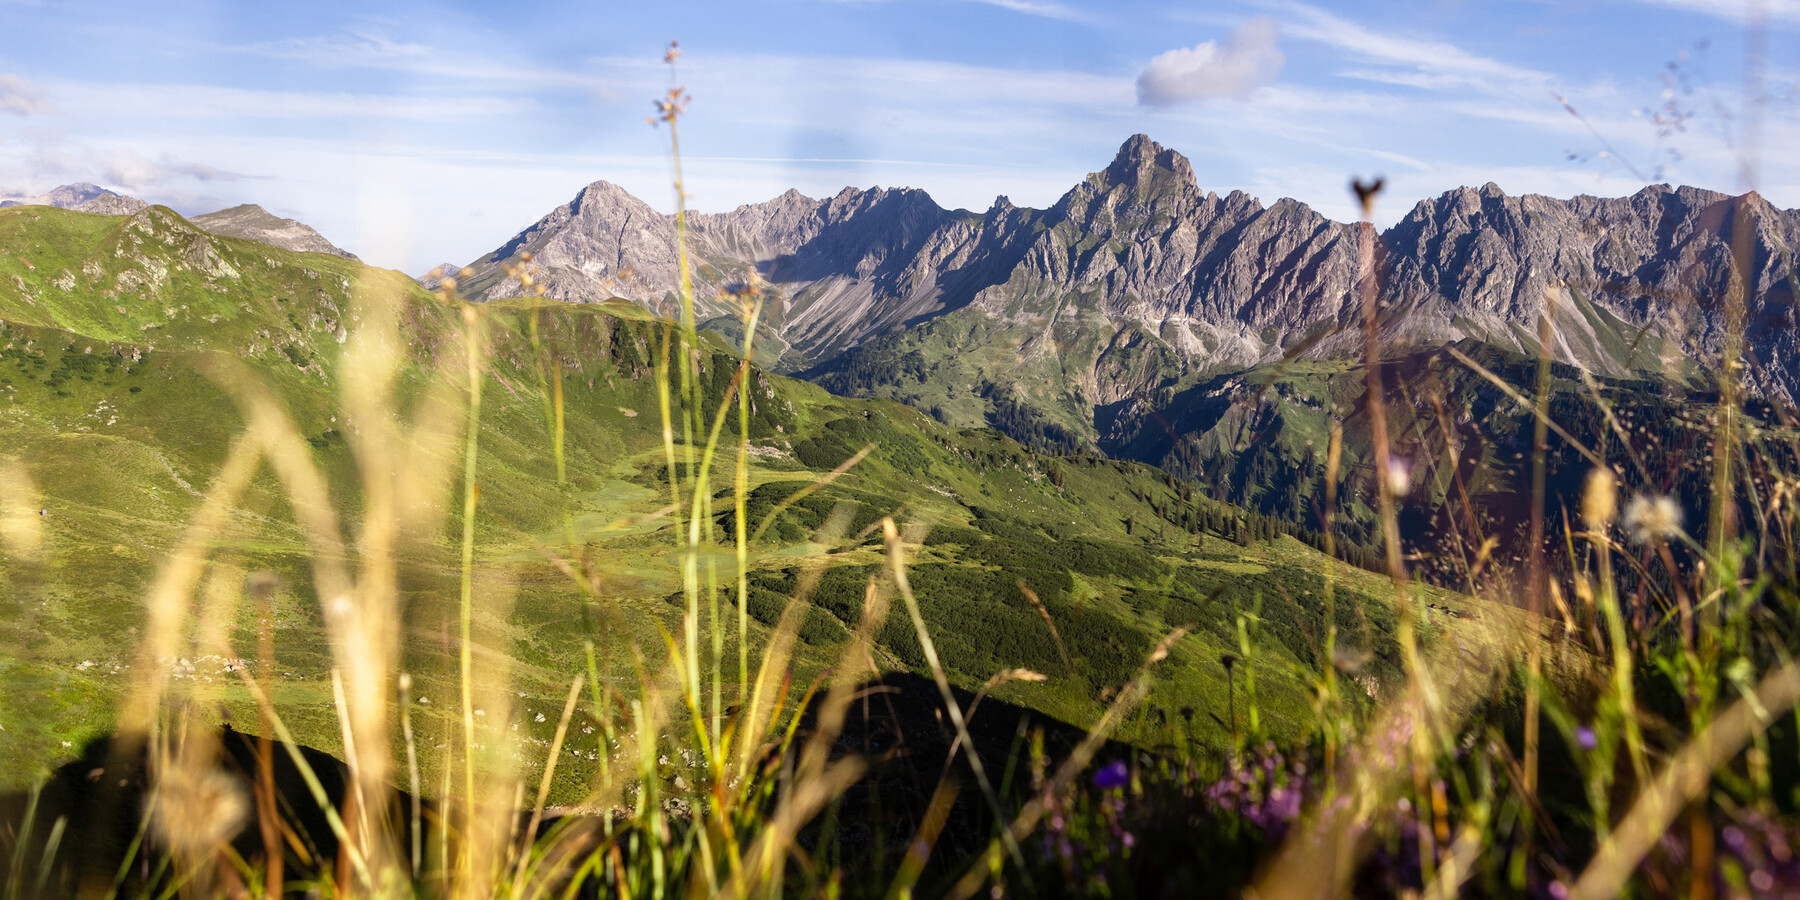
1258,436
114,334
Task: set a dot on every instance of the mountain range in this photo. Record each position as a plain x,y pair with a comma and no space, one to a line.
1138,282
1144,318
82,197
246,221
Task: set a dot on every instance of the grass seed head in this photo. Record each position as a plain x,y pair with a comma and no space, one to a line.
1600,500
200,807
1652,519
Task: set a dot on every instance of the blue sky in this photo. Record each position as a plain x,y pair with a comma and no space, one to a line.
418,133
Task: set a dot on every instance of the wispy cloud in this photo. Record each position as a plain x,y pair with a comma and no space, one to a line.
1397,59
200,101
890,103
375,50
1048,9
1737,11
356,49
49,157
135,172
21,97
1248,59
1042,8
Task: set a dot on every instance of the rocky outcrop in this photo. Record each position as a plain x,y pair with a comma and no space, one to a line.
254,223
1640,282
111,204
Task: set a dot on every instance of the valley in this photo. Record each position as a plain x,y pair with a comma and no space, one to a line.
121,395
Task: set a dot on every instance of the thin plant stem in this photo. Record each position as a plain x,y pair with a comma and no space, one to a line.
466,607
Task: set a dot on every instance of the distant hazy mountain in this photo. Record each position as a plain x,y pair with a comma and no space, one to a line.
258,224
83,197
1138,283
435,275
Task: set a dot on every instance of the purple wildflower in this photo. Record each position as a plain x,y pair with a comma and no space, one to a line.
1112,775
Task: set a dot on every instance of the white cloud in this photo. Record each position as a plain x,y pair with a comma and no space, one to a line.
21,97
1247,60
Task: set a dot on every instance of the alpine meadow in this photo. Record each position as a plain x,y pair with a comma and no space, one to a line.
1138,539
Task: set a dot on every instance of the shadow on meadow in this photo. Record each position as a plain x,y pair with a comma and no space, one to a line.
85,831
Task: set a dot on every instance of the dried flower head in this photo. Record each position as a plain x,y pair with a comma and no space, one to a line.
200,807
1652,519
1600,501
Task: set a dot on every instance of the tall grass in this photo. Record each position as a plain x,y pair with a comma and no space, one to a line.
1611,736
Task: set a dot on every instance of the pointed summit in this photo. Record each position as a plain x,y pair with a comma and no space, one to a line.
1139,158
1138,146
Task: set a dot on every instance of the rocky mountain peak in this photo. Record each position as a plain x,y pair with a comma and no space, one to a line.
252,222
602,197
1139,160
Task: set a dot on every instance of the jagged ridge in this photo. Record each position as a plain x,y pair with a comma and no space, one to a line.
1149,281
